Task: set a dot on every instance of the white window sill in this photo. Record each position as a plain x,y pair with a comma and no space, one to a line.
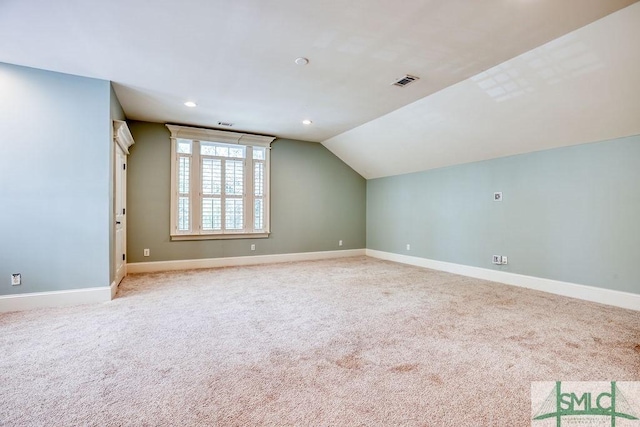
179,237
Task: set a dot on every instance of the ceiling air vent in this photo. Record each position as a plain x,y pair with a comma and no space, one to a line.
402,82
225,124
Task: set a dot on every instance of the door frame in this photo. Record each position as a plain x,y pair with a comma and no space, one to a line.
122,141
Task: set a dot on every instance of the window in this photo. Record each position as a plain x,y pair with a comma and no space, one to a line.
219,184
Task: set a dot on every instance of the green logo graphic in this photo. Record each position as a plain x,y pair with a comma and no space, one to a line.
611,404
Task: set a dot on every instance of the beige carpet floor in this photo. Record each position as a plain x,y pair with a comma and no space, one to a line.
350,342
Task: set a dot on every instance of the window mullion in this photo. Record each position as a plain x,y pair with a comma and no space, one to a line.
223,195
248,197
196,189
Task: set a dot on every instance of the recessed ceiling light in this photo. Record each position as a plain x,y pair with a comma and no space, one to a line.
306,122
190,104
301,61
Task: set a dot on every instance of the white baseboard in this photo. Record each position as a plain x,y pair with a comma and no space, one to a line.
189,264
573,290
20,302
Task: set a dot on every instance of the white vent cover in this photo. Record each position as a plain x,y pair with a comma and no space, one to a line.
403,81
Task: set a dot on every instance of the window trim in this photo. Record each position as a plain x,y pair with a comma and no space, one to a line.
225,137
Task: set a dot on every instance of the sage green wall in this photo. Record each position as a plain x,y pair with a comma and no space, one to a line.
570,214
316,200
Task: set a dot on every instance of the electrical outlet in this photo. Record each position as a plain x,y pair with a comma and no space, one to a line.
503,260
497,196
16,279
253,247
497,259
146,252
408,247
339,242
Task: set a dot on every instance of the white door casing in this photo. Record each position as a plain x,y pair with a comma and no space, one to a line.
123,140
120,196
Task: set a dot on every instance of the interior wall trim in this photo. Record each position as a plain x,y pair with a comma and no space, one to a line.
114,287
189,264
69,297
588,293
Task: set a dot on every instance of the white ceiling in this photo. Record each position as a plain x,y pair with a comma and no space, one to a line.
235,59
582,87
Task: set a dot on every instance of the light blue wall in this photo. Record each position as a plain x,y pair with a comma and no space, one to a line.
54,175
570,214
316,200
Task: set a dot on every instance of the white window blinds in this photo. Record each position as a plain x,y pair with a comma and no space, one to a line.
220,184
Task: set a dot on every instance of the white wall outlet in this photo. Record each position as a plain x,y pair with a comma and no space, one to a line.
408,247
146,252
497,259
339,242
497,196
253,246
16,279
503,260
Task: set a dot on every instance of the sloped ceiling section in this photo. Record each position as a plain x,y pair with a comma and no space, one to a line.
582,87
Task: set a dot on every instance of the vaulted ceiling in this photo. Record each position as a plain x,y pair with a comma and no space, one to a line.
496,77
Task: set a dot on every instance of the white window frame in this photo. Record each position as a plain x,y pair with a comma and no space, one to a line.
196,135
